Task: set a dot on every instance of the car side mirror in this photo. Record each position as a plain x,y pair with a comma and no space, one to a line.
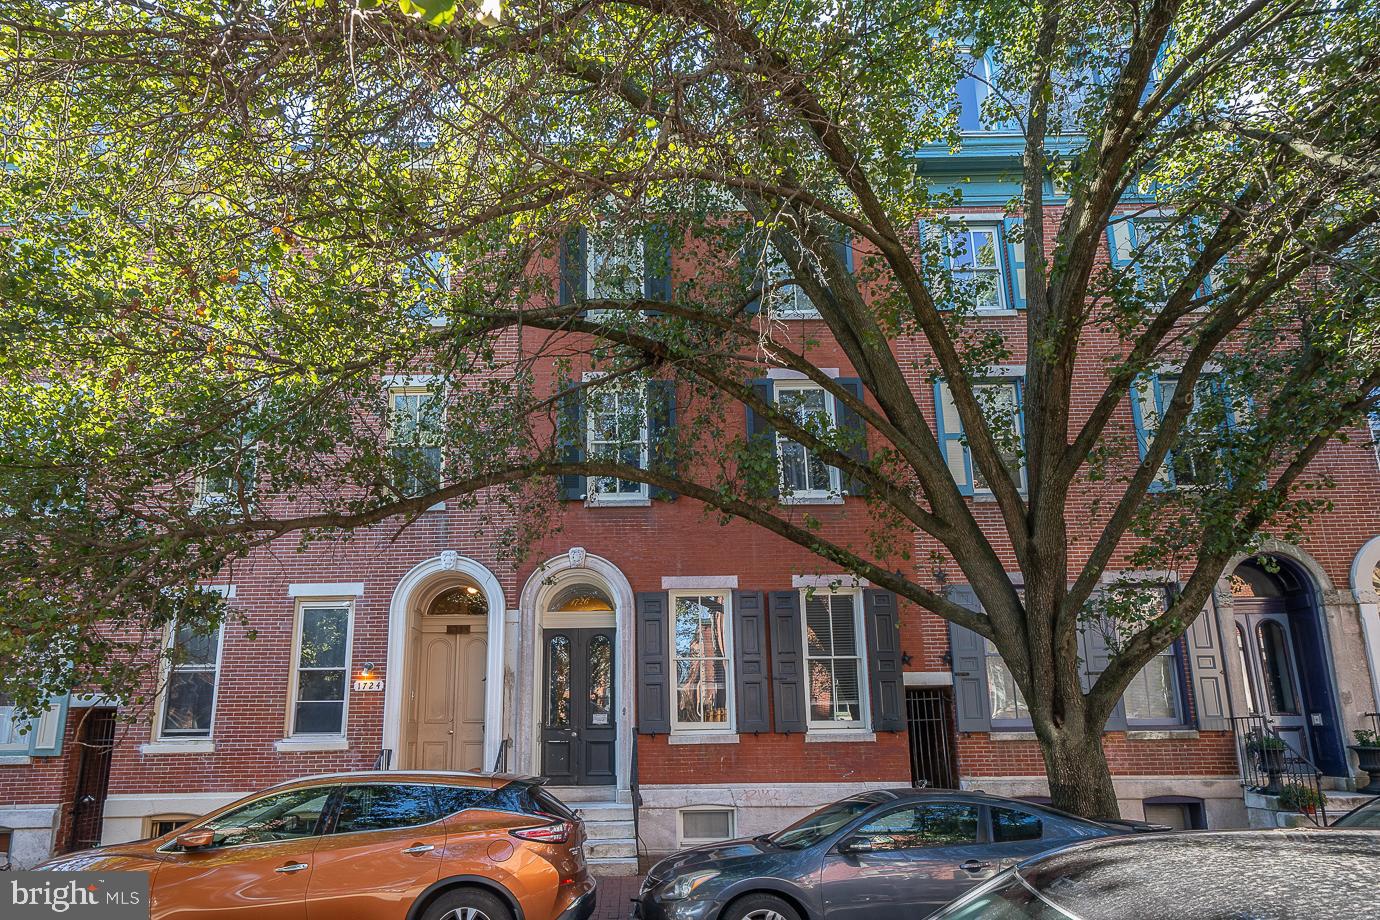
855,845
196,840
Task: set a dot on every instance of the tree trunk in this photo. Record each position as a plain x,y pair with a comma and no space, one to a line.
1080,781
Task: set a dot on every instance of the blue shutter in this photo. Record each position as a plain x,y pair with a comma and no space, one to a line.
1143,432
759,430
750,662
886,684
574,267
949,437
1094,656
45,734
843,247
653,663
1013,262
749,268
656,260
661,424
849,421
787,662
968,660
1126,228
570,438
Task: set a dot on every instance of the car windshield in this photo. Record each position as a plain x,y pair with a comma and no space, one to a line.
814,828
1006,897
1365,817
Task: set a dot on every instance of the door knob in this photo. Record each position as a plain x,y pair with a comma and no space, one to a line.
291,867
974,865
420,848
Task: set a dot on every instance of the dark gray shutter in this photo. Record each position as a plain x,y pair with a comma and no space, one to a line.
653,663
843,247
851,424
750,267
1209,673
787,662
762,433
750,662
968,658
573,265
661,427
656,259
1095,655
570,437
884,661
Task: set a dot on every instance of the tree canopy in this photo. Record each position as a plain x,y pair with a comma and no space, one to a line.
227,220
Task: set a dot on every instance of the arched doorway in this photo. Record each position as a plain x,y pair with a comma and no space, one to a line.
443,703
1283,654
575,714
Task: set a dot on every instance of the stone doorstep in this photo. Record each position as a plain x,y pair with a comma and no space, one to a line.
614,867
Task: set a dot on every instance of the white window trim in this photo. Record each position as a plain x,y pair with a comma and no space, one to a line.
591,236
730,727
641,498
683,841
970,221
834,494
408,384
832,730
1018,381
309,740
18,745
778,271
186,742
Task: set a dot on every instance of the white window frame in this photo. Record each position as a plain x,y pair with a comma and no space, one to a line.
15,743
683,841
348,605
864,687
1373,425
594,261
730,726
160,734
778,271
642,496
986,223
832,495
416,386
444,273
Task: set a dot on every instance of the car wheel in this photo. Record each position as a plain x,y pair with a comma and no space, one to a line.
760,907
467,904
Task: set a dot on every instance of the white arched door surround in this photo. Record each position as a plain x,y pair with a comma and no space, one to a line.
1367,592
418,588
556,573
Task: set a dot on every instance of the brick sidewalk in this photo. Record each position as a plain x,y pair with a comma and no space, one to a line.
615,897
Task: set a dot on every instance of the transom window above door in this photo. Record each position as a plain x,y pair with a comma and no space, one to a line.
466,599
581,598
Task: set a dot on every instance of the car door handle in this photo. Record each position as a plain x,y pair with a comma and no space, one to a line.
974,865
420,848
291,867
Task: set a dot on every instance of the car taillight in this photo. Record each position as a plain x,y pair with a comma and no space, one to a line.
559,832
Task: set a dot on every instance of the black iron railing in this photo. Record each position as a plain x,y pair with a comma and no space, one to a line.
501,761
382,761
929,721
1374,721
1270,765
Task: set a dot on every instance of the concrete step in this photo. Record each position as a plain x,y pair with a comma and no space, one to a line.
602,811
572,795
611,848
1341,802
613,867
608,830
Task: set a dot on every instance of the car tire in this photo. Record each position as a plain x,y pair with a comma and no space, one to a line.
760,907
467,904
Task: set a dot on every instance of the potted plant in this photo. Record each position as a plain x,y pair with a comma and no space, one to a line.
1297,797
1269,755
1367,748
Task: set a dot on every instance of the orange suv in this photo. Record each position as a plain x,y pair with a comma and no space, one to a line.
368,846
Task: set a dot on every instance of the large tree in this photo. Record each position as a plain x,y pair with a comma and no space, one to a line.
223,216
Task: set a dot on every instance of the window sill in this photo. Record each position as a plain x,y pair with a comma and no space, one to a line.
169,746
1009,735
831,735
1161,734
812,500
991,498
310,745
983,314
639,502
690,737
15,760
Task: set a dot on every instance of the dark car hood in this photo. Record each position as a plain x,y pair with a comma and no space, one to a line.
732,857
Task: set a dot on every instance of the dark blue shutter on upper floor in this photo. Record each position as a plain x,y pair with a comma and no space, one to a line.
574,265
656,260
854,429
661,428
751,685
762,433
787,662
570,438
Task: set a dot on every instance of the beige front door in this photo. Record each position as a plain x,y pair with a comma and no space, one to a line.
450,701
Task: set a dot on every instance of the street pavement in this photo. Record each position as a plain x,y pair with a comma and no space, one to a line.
615,897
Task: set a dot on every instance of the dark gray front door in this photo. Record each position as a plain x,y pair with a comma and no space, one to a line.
578,732
1269,662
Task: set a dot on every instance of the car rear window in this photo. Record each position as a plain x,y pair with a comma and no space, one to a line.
519,797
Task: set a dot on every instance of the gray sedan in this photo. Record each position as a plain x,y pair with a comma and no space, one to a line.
886,855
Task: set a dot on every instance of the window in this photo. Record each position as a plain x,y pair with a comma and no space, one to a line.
322,665
10,738
1278,668
700,643
228,471
281,816
429,277
833,659
803,475
159,825
452,799
1196,459
414,438
1160,249
189,700
1008,705
705,825
787,300
1374,422
1182,815
383,806
617,430
975,270
932,824
615,266
1153,696
975,88
1011,826
1001,403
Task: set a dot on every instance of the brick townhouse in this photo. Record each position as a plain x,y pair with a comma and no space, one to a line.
688,681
